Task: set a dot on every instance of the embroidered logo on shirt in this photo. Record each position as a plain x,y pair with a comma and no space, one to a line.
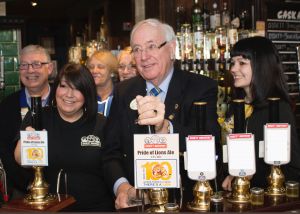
90,140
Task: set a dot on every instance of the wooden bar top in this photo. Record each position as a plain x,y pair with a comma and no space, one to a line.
18,205
271,204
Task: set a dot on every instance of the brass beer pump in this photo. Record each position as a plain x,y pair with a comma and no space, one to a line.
202,190
240,185
276,177
38,190
158,197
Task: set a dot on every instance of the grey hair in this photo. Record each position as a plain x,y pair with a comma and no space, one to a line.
36,49
166,29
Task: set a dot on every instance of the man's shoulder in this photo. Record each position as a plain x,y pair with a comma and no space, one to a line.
129,84
11,100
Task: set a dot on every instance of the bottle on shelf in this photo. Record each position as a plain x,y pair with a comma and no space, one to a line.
205,18
243,32
197,24
2,73
225,16
186,43
179,21
215,17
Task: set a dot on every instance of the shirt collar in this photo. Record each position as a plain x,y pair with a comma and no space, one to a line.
44,98
164,85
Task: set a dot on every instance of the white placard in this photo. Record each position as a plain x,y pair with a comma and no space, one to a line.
201,157
156,161
34,148
277,143
241,154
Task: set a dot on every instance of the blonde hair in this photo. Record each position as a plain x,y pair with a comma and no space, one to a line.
126,50
35,49
107,58
164,28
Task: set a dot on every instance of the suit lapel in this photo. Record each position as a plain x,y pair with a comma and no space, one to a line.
175,94
139,89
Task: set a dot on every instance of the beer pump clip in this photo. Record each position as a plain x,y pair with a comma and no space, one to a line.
200,162
241,163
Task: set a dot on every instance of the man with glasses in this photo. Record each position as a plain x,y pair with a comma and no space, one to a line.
168,108
35,67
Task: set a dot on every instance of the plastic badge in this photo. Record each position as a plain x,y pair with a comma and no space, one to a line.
34,148
201,157
241,154
277,143
156,161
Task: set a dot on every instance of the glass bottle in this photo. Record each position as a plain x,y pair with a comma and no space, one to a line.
215,17
186,43
225,16
179,21
257,196
197,24
205,18
197,20
243,32
2,83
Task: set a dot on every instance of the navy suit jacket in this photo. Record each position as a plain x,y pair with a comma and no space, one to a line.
184,89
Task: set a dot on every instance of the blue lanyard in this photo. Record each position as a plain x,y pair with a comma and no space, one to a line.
23,99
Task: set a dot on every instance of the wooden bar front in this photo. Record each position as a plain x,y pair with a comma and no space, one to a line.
18,205
271,204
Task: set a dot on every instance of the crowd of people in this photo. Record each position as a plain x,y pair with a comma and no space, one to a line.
85,101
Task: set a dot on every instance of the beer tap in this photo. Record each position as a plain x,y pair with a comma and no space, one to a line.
38,190
202,190
276,177
241,184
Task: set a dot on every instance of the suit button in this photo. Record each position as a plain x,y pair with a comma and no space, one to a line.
124,155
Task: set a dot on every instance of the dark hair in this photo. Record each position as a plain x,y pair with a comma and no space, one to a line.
81,78
268,79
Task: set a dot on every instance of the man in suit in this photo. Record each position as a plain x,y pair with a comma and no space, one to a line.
35,67
133,110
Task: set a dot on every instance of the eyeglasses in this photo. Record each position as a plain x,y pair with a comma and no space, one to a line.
34,65
149,49
129,67
93,66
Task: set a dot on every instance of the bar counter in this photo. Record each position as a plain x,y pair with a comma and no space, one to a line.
271,204
17,205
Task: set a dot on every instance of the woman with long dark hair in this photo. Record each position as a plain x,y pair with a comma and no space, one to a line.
75,137
258,75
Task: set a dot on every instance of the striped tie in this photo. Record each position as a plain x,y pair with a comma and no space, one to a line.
154,91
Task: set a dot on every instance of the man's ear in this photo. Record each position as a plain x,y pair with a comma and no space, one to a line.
50,68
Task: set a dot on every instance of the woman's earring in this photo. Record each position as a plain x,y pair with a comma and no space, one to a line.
53,103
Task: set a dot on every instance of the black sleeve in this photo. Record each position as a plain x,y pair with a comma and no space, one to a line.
292,169
112,165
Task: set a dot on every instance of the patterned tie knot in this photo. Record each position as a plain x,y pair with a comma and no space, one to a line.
154,91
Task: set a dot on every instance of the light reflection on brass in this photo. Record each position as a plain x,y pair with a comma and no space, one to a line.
276,182
275,199
202,192
158,198
241,190
38,192
240,207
